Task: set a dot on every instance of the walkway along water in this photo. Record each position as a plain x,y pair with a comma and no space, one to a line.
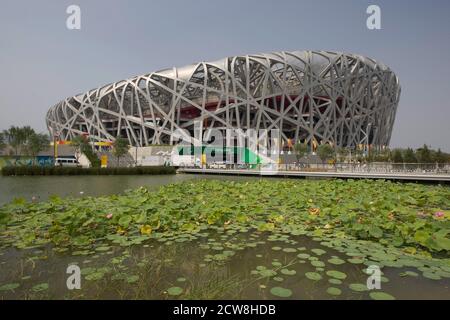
303,174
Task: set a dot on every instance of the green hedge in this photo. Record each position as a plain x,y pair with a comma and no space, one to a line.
57,171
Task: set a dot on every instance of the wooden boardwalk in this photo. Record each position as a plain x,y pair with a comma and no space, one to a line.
437,178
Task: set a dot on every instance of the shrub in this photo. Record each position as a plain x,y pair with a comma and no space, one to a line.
49,171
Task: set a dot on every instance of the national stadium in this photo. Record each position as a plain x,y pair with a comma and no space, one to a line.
313,97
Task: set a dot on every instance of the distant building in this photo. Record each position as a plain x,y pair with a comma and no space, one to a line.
315,97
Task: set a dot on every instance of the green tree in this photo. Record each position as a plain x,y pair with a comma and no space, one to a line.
36,143
379,155
342,154
439,156
385,155
423,154
301,150
26,133
358,154
17,137
325,152
397,156
14,138
120,148
80,144
409,156
2,142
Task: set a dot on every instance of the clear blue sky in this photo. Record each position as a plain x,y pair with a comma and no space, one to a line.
42,62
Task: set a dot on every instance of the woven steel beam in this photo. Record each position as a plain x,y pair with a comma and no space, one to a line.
310,96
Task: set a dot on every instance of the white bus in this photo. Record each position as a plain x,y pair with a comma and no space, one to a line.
67,162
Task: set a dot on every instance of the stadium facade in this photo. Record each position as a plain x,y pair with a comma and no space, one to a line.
310,96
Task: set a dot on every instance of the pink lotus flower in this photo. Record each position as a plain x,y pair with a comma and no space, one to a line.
109,216
439,214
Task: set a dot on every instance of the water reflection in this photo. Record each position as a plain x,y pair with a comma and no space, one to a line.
200,270
42,187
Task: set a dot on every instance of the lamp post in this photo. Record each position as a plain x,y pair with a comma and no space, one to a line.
369,125
350,148
135,155
55,146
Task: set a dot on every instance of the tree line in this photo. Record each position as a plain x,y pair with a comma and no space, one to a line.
24,141
326,152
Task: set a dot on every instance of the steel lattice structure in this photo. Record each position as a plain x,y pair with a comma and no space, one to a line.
310,96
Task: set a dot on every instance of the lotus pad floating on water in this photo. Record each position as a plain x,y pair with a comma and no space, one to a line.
281,292
175,291
336,274
313,276
358,287
288,272
373,223
9,286
334,291
379,295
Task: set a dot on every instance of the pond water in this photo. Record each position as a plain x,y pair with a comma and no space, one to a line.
229,262
43,187
214,264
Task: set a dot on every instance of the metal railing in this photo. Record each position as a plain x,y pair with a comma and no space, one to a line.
377,167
